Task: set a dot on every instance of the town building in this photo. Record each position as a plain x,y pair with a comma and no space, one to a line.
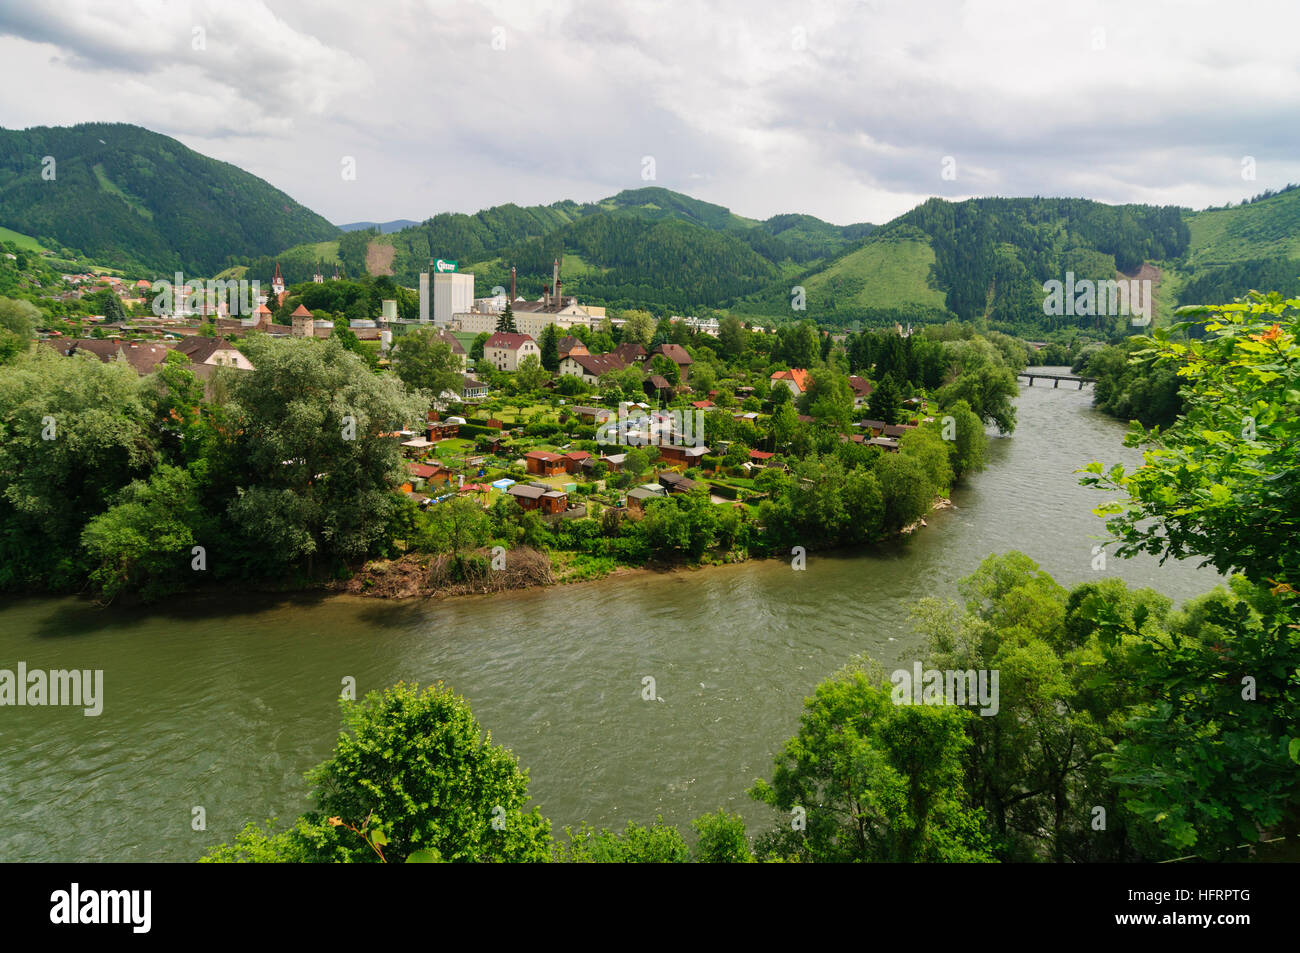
590,367
217,352
796,379
678,355
303,326
505,351
861,390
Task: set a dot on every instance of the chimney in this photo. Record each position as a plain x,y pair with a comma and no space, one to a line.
512,284
555,281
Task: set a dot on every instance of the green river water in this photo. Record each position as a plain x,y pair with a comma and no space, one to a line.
224,701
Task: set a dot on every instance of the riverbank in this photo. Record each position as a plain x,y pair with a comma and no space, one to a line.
421,576
225,695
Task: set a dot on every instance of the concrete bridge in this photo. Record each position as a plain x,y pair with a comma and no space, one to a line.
1057,378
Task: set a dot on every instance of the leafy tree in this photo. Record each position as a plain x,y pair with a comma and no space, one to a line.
476,348
830,399
531,375
1030,765
721,839
143,542
1219,733
455,526
659,843
1210,756
732,337
968,448
310,470
636,462
873,781
19,317
422,360
989,390
18,321
415,772
639,327
905,489
926,447
1222,481
101,438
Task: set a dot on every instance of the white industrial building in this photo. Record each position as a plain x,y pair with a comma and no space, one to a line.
451,293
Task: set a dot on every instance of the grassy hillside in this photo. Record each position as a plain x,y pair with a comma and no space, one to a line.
126,196
1254,245
891,272
1261,229
22,241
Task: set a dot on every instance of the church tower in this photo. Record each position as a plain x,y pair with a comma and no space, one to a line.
277,281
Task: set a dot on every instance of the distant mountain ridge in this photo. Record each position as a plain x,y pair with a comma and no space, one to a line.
396,225
143,202
126,195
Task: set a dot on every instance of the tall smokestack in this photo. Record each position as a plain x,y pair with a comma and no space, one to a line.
555,280
512,284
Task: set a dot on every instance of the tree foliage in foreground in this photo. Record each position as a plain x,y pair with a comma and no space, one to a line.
413,777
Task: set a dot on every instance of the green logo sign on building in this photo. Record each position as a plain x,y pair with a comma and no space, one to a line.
442,265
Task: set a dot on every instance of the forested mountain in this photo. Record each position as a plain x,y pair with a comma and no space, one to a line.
137,200
647,247
134,198
1254,245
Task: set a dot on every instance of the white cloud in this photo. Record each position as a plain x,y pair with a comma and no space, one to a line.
841,109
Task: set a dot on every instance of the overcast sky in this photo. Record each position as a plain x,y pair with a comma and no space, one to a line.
844,110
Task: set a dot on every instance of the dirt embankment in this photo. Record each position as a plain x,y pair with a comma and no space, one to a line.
418,574
379,258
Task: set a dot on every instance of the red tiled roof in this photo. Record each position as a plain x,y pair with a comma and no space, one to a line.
421,470
760,455
797,374
597,365
301,312
577,454
702,404
511,342
674,352
543,455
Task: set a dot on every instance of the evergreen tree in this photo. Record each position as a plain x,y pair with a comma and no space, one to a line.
550,345
884,402
506,321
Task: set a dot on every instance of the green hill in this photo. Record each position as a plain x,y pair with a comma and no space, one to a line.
1258,229
887,276
649,247
130,197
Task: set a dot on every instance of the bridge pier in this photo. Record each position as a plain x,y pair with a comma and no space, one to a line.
1056,383
1031,379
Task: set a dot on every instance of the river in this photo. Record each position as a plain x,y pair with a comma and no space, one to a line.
222,702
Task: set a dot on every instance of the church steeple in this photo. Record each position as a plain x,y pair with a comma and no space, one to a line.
277,281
